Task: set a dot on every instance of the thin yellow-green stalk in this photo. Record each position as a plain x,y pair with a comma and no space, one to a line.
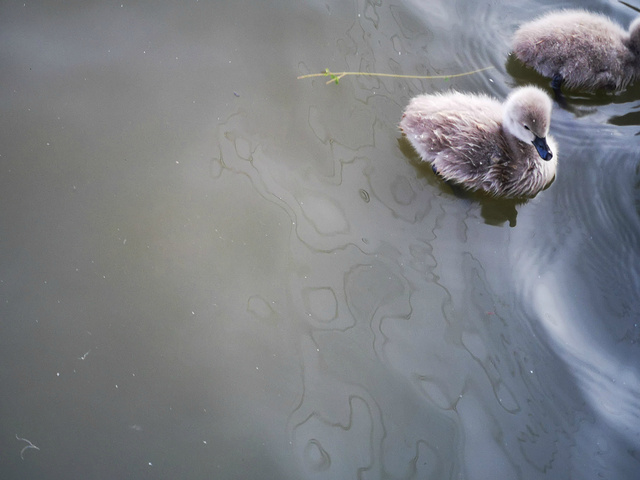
335,77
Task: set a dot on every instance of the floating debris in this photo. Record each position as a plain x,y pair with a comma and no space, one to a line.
31,445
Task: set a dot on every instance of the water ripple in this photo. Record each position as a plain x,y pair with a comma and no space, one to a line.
584,276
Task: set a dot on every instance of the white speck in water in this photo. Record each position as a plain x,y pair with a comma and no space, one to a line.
150,464
116,386
204,441
58,374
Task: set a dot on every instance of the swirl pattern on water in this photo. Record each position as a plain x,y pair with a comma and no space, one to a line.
417,325
583,283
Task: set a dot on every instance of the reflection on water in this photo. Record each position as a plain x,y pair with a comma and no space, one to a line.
214,270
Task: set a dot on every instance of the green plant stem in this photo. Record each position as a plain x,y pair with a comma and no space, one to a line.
337,76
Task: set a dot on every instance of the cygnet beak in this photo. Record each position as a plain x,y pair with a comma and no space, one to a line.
543,148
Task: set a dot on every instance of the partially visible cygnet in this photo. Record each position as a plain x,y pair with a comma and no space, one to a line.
584,50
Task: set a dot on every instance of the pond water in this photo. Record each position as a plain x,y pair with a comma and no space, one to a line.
212,269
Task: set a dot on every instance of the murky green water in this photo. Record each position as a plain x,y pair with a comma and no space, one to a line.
211,269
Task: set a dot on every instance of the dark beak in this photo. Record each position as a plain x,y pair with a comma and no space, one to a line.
543,149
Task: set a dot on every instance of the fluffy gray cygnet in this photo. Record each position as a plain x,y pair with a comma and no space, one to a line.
582,49
481,144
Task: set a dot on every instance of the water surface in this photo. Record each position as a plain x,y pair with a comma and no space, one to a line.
211,269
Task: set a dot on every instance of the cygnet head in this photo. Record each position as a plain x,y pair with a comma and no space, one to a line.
527,115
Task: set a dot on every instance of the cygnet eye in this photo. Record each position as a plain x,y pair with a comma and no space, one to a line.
526,127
